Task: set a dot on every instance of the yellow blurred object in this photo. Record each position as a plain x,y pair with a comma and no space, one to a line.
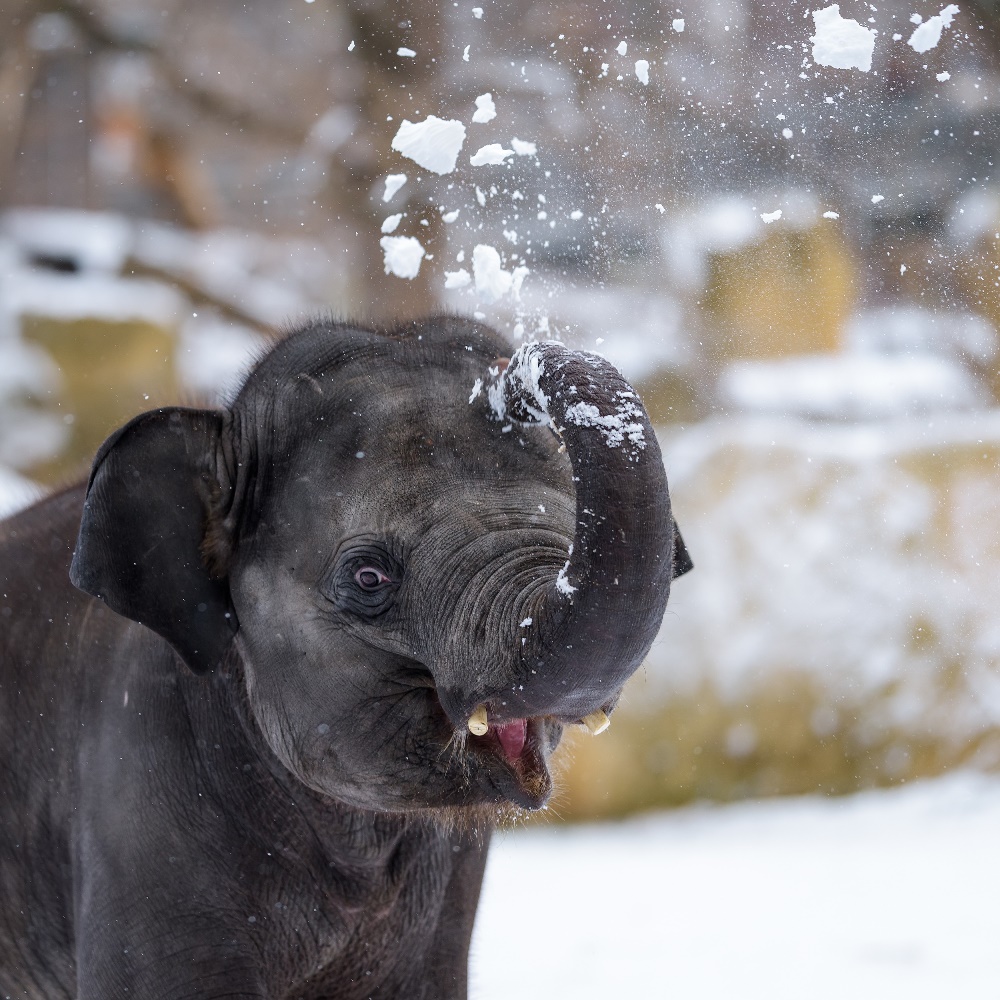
789,294
110,371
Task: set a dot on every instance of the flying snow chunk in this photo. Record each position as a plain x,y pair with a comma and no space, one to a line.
622,48
457,279
642,71
392,184
769,217
477,12
576,214
451,216
523,148
403,255
492,281
489,155
465,53
678,24
876,198
840,42
485,109
391,222
434,143
787,133
831,215
928,34
941,77
406,53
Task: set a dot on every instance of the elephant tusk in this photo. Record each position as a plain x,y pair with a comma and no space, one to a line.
596,722
478,722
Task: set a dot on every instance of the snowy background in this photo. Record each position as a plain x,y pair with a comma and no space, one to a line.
782,222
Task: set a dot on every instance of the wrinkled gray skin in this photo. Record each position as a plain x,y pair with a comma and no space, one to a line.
344,560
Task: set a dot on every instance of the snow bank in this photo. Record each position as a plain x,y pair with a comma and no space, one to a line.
434,143
864,386
878,895
841,42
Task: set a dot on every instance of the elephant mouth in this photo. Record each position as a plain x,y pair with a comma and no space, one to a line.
514,761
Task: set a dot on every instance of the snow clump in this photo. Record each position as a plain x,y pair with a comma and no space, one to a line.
622,48
490,155
392,184
403,255
523,148
486,110
928,34
678,24
406,53
457,279
434,143
492,281
642,71
769,217
841,42
390,223
615,427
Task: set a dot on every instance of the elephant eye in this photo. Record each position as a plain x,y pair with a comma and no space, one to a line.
369,578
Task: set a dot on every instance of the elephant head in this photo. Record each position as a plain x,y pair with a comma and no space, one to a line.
422,556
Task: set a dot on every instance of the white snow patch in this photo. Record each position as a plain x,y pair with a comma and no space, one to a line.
616,427
490,155
885,893
451,216
477,390
787,133
928,34
391,222
876,198
576,214
769,217
485,109
526,622
477,12
941,77
678,24
457,279
406,53
392,184
403,255
831,215
434,143
622,48
465,53
642,71
523,148
841,43
562,581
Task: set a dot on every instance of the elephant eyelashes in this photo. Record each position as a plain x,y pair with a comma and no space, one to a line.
369,578
363,581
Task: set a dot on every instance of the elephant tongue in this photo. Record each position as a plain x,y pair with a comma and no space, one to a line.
512,736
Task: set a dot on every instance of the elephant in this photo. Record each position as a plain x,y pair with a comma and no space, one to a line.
271,677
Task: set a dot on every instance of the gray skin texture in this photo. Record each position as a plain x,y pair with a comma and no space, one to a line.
235,754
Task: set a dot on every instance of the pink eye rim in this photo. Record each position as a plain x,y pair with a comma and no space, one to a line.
370,578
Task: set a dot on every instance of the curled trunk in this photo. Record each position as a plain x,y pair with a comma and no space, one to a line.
598,618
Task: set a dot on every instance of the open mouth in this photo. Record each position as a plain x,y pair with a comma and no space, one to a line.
514,758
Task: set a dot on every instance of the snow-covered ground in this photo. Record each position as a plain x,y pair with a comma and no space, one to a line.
882,894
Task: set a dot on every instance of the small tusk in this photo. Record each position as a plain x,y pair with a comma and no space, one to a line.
596,722
478,723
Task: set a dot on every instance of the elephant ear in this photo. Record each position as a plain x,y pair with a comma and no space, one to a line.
682,561
144,520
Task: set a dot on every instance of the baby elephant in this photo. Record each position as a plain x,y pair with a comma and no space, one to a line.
315,645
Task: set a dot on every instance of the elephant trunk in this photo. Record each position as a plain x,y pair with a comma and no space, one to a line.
597,619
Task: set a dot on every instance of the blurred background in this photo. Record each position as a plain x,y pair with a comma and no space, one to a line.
179,180
798,266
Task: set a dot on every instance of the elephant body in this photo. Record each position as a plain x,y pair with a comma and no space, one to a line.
235,754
